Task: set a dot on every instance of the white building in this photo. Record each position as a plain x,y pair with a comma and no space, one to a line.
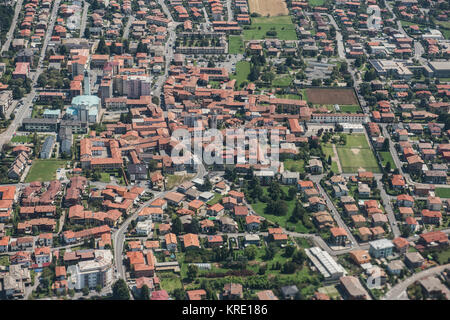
327,266
144,228
92,272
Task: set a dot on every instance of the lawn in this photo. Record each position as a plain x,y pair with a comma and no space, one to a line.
105,177
387,157
350,109
170,282
4,261
443,256
235,44
442,192
44,170
283,81
294,165
242,72
216,199
328,150
22,139
281,220
316,3
356,154
288,96
260,26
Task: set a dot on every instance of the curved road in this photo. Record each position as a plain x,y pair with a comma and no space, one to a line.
398,289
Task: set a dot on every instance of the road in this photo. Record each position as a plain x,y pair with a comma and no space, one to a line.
126,31
10,34
229,11
401,287
84,18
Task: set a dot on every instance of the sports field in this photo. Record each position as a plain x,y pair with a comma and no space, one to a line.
265,7
44,170
282,25
357,155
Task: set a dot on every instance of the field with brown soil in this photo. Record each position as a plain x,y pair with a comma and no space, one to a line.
331,96
265,7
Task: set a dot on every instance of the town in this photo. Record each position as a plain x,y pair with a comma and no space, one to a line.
224,150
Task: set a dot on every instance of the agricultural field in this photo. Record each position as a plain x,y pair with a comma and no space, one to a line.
282,25
332,96
268,7
356,155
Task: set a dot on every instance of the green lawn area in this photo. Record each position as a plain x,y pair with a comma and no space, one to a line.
387,157
217,198
4,261
316,3
442,192
328,150
44,170
105,177
350,108
242,72
235,44
282,25
288,96
357,154
22,139
443,256
170,282
283,81
294,165
281,220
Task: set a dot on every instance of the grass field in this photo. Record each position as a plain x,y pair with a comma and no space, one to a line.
105,177
235,44
216,199
282,25
356,155
294,165
350,109
316,3
44,170
288,96
170,282
281,220
328,150
442,192
387,157
283,81
242,72
22,139
174,180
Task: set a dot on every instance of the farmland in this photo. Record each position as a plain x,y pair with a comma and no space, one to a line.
268,7
331,96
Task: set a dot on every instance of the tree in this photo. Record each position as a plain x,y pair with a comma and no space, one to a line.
85,291
194,227
299,257
177,226
388,167
120,290
192,271
289,267
145,292
250,252
289,250
179,294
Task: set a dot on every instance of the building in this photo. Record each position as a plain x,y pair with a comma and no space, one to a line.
381,248
326,265
352,288
441,69
91,273
40,124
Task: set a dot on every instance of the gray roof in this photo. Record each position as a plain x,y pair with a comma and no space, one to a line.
289,290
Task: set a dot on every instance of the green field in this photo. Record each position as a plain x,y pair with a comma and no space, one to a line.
350,109
288,96
316,3
105,177
294,165
44,170
216,199
328,150
442,192
282,81
281,220
170,282
235,44
282,25
175,179
22,139
387,157
242,72
356,154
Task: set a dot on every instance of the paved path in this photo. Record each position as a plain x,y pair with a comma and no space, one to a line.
84,18
401,287
10,34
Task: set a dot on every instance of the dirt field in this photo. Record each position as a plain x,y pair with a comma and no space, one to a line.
265,7
331,96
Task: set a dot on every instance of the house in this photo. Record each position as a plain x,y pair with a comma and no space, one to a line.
232,291
42,255
315,166
196,294
414,260
364,190
434,203
240,211
338,236
266,295
251,239
405,200
381,248
137,171
215,241
290,178
360,256
433,238
216,210
252,223
289,292
171,241
191,241
401,244
395,267
228,225
352,288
